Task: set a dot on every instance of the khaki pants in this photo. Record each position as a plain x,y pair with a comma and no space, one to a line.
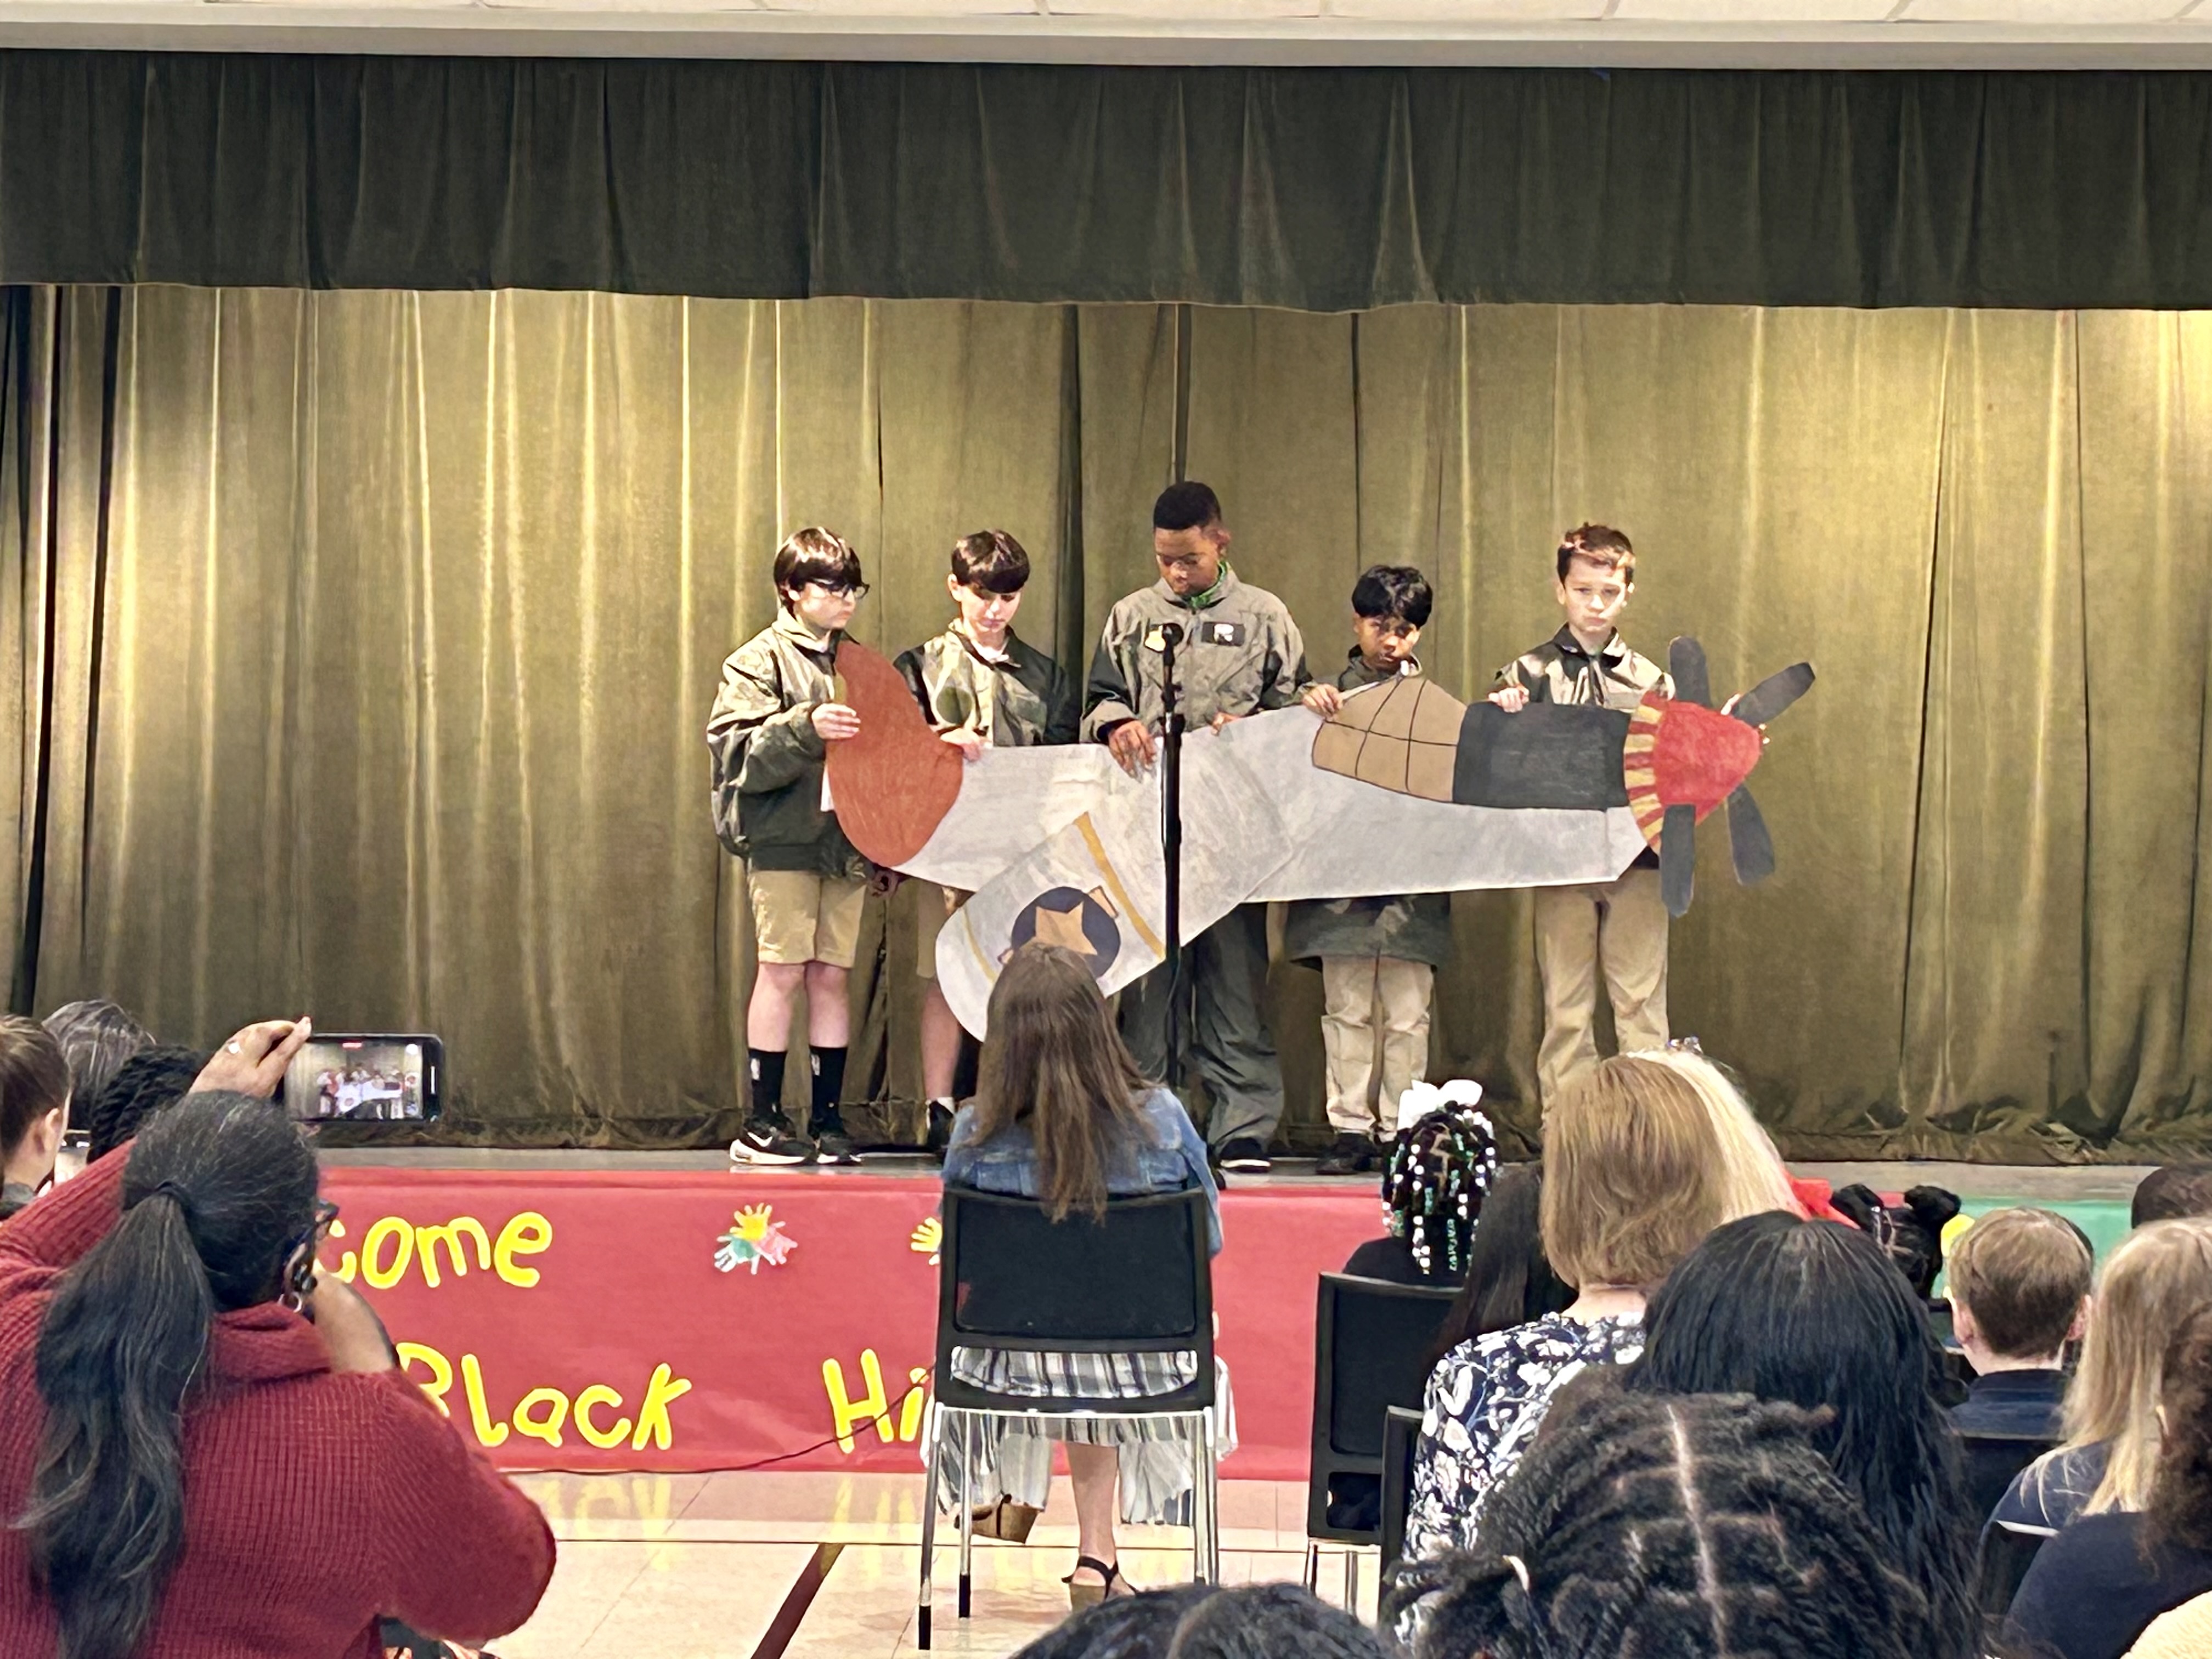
1372,1004
1622,924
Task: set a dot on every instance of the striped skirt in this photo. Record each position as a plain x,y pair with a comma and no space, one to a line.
1013,1458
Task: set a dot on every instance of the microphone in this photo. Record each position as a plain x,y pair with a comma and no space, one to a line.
1170,633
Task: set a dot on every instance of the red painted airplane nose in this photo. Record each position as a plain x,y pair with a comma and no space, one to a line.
1678,753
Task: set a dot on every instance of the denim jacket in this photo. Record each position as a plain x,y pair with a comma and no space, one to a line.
1174,1162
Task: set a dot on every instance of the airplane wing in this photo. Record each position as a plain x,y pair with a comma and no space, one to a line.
1261,822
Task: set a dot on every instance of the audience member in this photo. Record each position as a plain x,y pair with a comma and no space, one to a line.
1204,1621
2158,1277
1911,1231
1509,1280
1757,1178
1633,1178
164,1335
1435,1178
2020,1293
1665,1527
1062,1114
34,1103
151,1081
1814,1313
2183,1633
2172,1193
97,1036
2093,1588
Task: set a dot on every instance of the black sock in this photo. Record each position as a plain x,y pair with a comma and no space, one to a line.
828,1083
765,1066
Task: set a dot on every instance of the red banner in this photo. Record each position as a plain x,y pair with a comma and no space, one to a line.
704,1320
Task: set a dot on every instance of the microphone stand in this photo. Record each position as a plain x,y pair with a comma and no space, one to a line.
1171,729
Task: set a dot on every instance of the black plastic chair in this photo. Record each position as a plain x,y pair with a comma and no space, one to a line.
2008,1549
1401,1436
1992,1461
1140,1281
1371,1342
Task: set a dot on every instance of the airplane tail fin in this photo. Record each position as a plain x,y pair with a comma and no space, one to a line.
892,784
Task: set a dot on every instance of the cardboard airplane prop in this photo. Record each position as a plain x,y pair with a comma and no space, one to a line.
1404,790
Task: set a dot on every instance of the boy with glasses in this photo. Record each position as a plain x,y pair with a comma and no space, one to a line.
773,719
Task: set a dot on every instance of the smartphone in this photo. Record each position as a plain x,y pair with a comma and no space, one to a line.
350,1078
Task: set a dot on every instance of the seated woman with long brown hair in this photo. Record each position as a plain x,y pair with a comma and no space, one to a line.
1062,1114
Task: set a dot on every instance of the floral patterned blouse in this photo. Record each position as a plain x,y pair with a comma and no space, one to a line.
1485,1400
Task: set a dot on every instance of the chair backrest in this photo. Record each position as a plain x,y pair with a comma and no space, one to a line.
1138,1281
1401,1435
1371,1342
2008,1551
1992,1461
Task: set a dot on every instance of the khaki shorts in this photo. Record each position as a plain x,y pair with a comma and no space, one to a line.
930,918
798,917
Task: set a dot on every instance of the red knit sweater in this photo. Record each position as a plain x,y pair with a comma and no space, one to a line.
314,1501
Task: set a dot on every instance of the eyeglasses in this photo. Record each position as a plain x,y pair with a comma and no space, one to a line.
1685,1045
326,1213
855,591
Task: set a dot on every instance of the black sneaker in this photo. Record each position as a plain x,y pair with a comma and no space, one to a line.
1245,1156
832,1145
770,1141
940,1131
1352,1155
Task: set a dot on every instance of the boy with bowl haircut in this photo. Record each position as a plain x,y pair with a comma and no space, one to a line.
1379,956
980,686
1618,926
773,719
2019,1292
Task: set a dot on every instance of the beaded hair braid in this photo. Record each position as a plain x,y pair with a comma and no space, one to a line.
1667,1526
1433,1184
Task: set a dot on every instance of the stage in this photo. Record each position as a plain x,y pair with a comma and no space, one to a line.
661,1312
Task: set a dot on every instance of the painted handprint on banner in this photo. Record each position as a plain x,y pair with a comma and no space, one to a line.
754,1237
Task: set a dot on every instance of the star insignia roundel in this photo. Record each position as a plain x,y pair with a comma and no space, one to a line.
1085,923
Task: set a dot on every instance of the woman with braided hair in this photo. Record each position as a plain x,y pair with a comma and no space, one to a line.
1642,1527
1435,1176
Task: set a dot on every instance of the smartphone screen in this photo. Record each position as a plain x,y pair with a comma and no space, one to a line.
365,1079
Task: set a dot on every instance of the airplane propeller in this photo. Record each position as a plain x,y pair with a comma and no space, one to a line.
1751,847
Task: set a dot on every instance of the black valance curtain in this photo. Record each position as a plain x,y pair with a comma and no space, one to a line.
1310,189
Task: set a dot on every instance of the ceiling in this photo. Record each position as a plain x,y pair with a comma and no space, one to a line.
1759,34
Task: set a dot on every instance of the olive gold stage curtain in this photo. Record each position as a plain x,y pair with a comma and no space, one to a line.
361,644
1314,189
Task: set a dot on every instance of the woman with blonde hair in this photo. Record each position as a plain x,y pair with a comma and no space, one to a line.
2159,1276
1757,1179
1062,1114
1633,1179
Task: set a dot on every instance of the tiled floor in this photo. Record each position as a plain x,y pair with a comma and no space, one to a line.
699,1566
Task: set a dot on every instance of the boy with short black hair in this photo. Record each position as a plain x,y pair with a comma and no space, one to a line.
1620,925
1379,956
2020,1293
773,719
980,687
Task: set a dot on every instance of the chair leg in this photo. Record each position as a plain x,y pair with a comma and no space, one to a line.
1352,1580
929,1485
968,1437
1313,1567
1209,1490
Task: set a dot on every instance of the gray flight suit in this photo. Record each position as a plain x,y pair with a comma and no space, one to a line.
1240,654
